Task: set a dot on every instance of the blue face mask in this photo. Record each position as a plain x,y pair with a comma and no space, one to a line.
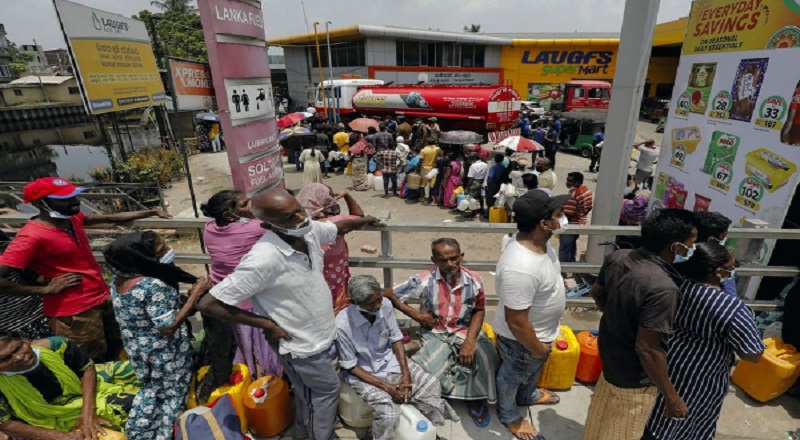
720,242
35,365
683,258
168,258
728,278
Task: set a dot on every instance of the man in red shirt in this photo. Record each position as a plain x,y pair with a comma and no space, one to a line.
54,244
576,210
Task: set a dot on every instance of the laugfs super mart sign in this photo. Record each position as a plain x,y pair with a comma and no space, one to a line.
237,55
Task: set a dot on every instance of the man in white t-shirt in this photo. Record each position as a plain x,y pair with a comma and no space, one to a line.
476,177
282,277
646,165
532,299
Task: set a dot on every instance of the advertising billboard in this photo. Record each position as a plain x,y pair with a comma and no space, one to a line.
237,55
732,140
113,58
192,87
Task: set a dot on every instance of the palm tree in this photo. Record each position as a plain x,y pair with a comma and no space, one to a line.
473,28
177,6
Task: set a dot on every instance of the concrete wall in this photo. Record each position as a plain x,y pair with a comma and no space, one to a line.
381,52
34,94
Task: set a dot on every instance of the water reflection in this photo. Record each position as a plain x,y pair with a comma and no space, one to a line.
66,151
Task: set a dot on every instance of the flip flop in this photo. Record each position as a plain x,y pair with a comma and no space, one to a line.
483,412
547,398
524,427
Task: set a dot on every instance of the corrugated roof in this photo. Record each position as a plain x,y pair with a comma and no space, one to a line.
45,80
367,30
557,35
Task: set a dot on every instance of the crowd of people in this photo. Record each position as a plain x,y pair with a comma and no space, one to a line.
281,299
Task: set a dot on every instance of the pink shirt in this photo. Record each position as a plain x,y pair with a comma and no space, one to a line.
228,244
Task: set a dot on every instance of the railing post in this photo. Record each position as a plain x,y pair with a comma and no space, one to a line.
386,254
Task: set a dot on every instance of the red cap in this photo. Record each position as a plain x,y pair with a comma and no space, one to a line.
50,187
562,345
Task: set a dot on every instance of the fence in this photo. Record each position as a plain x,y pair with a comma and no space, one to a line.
749,239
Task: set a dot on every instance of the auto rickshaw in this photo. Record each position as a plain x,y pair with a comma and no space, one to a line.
577,135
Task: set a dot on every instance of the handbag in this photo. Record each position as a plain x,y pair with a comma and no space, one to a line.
218,423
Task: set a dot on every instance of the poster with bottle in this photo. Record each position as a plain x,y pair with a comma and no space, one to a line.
733,131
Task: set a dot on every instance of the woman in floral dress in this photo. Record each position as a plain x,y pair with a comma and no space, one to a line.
322,204
150,314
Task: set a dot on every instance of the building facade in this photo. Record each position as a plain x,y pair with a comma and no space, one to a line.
28,90
536,65
6,74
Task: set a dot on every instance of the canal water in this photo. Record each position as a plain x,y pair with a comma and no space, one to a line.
76,160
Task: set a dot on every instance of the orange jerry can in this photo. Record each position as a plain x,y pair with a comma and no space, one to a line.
498,214
268,406
590,367
237,386
558,372
773,375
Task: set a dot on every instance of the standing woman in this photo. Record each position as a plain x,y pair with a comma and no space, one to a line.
360,152
229,236
709,327
312,170
322,205
451,179
148,307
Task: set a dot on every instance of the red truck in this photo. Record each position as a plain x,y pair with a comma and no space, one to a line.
484,109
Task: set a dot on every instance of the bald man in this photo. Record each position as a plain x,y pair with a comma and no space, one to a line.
282,277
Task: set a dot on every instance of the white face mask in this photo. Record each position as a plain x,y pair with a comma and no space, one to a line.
720,242
729,277
683,258
243,220
55,214
563,224
368,312
168,258
35,365
301,230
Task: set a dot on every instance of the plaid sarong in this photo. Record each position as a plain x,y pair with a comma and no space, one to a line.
618,413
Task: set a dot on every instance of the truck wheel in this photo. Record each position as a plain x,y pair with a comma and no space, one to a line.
586,153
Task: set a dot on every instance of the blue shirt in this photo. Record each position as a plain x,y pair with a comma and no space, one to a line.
729,287
538,136
366,345
598,137
557,125
496,173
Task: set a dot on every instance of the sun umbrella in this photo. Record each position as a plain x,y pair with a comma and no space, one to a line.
207,117
363,124
293,131
460,137
519,144
291,119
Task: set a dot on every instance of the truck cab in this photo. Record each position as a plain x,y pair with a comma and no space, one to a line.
339,94
585,95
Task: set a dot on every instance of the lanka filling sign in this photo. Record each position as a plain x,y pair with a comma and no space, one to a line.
114,60
734,122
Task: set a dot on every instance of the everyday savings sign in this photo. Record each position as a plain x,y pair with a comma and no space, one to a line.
192,86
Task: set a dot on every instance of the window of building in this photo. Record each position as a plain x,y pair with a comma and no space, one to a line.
412,53
17,92
74,91
349,54
4,70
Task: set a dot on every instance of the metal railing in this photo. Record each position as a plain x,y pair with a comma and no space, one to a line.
388,263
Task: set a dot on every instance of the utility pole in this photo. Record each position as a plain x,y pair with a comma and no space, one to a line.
334,116
638,25
156,47
39,75
319,67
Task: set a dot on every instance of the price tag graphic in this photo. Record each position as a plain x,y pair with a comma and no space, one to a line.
683,104
721,105
771,113
678,156
751,190
721,177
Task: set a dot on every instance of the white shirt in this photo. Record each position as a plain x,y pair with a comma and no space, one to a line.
285,286
547,179
527,280
402,150
478,170
647,158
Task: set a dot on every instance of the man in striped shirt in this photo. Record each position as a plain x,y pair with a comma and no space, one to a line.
576,209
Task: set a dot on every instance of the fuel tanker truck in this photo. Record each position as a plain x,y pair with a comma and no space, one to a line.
490,110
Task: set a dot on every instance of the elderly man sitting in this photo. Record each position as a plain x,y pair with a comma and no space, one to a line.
454,348
371,352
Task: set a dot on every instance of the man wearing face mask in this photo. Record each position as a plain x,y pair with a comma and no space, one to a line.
713,227
452,311
282,277
576,209
532,300
547,178
637,290
54,244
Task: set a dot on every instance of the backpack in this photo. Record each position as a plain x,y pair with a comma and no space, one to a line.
217,423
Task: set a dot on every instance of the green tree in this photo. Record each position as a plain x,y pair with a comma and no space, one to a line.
19,60
473,28
176,34
178,6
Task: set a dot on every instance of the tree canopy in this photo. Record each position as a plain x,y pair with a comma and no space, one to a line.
175,32
19,60
178,6
473,28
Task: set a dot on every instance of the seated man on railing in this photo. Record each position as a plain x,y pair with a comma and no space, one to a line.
454,348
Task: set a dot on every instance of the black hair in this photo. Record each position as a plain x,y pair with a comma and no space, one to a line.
577,177
710,224
706,259
5,335
135,254
383,126
371,130
499,158
665,227
220,204
446,241
530,181
452,156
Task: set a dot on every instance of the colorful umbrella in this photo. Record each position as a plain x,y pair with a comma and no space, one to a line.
293,131
291,119
519,144
363,124
460,137
213,117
